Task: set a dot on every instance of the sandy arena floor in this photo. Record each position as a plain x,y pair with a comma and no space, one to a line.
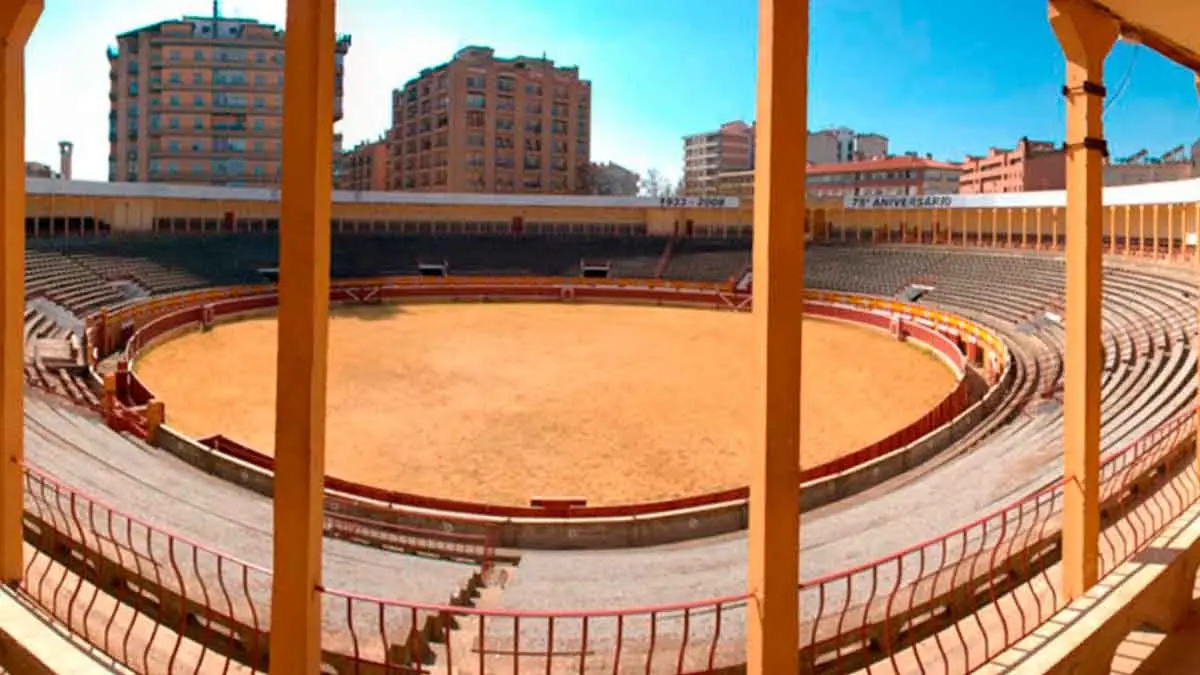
500,402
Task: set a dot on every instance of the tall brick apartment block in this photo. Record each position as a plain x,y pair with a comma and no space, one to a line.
200,100
484,124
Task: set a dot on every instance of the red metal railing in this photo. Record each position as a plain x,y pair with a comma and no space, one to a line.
954,403
161,603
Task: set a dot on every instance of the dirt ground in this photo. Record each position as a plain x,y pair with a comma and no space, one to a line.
501,402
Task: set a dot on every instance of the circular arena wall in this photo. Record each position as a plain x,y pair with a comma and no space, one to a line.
563,524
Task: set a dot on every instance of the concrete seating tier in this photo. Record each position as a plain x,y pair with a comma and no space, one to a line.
1148,379
164,263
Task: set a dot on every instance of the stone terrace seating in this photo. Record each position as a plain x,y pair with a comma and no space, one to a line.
67,283
365,255
716,260
165,263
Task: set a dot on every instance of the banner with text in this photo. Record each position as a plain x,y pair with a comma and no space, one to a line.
899,202
699,202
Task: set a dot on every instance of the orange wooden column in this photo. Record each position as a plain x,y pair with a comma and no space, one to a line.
303,328
1086,36
773,621
17,19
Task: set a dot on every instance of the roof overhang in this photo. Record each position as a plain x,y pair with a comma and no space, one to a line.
1170,27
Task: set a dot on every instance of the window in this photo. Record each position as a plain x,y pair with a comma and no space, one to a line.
175,78
173,146
175,55
133,88
199,55
198,101
258,125
173,123
197,78
260,79
198,123
475,140
533,89
260,57
477,82
258,102
477,101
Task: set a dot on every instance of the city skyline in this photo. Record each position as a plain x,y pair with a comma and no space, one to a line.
657,76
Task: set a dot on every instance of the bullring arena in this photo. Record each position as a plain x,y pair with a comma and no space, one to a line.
931,511
501,402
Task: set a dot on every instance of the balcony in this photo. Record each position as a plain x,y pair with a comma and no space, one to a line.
212,153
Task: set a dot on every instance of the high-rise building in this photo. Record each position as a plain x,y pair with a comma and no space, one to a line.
831,146
484,124
200,100
363,167
707,154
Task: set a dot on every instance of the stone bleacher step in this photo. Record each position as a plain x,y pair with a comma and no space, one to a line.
59,315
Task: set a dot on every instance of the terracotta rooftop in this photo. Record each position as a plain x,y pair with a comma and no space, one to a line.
886,164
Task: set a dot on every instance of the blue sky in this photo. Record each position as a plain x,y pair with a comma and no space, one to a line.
934,80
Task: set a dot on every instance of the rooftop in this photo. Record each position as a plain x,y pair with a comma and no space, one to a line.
885,164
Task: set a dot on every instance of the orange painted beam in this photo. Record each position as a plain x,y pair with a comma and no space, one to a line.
773,628
1086,37
303,337
17,19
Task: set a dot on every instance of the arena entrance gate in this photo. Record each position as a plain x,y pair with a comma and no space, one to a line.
428,269
594,270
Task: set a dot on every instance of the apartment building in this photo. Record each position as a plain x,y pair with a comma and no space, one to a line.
612,179
365,167
479,123
738,184
708,154
891,176
831,146
1141,167
200,100
1032,165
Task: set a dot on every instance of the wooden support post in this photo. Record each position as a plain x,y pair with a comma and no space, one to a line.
156,416
17,19
773,619
1196,255
1086,36
1170,231
1141,229
1154,225
303,332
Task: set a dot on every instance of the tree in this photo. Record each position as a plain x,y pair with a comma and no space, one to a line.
654,184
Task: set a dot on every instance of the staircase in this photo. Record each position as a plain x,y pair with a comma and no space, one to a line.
665,259
61,316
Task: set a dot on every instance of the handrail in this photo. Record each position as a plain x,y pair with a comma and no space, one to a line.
821,304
